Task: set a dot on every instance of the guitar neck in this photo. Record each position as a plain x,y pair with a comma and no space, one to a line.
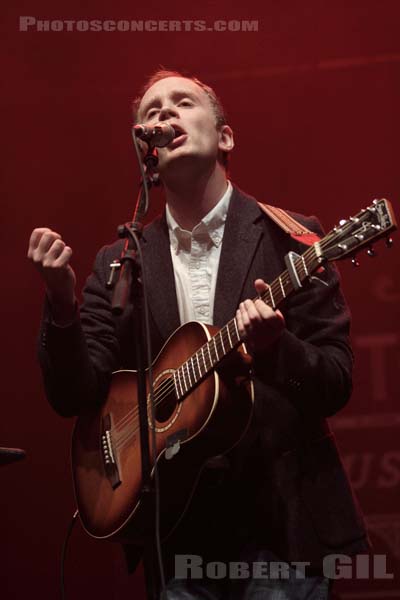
208,357
304,266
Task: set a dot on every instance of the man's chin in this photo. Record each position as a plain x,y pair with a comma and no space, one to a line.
177,158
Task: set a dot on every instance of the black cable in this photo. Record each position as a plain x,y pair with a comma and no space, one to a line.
64,553
150,379
153,433
152,413
143,178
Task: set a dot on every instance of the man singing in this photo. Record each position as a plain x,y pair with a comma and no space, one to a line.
281,494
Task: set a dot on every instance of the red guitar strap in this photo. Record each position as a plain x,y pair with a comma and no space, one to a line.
289,225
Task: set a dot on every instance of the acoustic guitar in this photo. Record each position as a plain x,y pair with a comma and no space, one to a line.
198,413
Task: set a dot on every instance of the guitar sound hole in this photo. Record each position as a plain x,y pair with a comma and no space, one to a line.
165,400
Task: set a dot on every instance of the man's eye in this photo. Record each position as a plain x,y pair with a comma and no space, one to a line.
151,113
185,103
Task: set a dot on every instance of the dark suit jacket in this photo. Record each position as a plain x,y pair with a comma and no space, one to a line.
285,487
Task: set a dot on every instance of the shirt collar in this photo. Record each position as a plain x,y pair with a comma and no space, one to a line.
211,227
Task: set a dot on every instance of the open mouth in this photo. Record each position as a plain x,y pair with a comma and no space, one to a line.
180,135
178,130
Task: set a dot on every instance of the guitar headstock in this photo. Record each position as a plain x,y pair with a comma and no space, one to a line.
369,225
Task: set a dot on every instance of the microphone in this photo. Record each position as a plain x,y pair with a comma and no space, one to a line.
159,135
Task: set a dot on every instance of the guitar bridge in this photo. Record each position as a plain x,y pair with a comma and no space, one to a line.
107,451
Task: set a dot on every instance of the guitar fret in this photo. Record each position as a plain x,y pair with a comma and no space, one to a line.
192,365
305,266
176,376
178,372
269,289
278,295
204,360
198,360
299,266
178,394
184,378
229,336
236,332
188,373
208,358
282,288
195,377
180,379
222,342
198,365
194,356
209,354
236,329
216,349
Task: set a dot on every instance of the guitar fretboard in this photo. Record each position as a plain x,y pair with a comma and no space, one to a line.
202,362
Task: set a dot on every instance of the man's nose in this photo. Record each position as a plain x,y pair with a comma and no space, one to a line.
167,112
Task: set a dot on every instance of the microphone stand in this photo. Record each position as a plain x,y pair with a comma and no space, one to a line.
129,288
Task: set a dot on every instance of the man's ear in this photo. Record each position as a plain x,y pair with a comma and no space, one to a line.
226,141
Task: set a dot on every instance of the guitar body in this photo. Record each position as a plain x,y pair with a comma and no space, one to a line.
106,456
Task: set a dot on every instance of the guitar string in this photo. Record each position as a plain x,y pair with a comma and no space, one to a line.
276,292
221,339
164,390
168,384
125,433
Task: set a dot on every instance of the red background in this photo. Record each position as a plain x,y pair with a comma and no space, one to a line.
313,99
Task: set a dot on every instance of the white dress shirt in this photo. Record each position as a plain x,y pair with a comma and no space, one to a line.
195,258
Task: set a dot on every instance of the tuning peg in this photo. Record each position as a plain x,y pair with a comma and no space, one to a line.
371,252
355,262
389,242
